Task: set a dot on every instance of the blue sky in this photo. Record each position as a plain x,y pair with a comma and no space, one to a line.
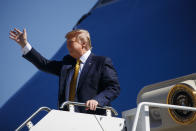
46,23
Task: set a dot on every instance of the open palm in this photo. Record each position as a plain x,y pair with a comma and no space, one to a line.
19,37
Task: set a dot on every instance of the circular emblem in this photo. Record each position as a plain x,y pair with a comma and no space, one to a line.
182,95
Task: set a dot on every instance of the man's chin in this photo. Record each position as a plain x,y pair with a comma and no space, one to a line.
73,55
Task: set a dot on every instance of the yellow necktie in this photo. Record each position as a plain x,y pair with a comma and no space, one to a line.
72,90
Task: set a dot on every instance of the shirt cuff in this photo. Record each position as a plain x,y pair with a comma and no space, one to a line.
26,49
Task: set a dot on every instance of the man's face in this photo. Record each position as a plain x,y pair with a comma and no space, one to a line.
74,47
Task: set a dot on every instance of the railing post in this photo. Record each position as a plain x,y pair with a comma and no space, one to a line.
143,119
108,113
71,108
29,124
146,117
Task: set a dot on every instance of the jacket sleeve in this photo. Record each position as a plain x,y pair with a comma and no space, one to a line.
109,84
50,66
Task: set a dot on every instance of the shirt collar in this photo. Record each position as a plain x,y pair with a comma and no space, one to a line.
84,57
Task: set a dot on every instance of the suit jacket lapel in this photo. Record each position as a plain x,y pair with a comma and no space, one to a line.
69,64
64,75
85,70
65,71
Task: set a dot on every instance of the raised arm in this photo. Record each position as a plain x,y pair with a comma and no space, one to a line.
33,56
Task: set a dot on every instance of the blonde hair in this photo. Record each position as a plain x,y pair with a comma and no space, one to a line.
81,34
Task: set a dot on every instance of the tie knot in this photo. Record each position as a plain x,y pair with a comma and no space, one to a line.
78,62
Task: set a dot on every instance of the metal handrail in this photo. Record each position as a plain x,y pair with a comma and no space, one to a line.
32,116
150,104
83,104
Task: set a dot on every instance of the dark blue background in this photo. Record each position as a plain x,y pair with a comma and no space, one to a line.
148,41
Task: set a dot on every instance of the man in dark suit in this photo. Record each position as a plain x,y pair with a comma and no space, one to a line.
83,77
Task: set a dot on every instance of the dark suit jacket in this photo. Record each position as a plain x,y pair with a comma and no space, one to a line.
98,79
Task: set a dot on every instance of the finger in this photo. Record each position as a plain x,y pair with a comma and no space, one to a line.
95,107
13,35
18,31
24,33
88,104
91,106
13,38
14,32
